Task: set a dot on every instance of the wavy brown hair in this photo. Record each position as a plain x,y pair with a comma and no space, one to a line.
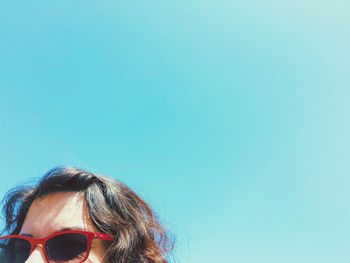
113,208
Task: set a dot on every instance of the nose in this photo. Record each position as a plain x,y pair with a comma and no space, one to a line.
37,256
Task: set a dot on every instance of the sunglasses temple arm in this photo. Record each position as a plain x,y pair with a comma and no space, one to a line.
103,236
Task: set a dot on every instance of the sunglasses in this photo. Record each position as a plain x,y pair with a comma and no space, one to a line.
71,246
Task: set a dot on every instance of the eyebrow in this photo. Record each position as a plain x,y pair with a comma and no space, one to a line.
59,230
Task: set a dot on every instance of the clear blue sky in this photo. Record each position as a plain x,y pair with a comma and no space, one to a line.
230,117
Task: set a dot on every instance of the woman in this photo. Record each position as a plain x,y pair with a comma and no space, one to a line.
76,216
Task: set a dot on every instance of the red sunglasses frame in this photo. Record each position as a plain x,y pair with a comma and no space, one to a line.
34,242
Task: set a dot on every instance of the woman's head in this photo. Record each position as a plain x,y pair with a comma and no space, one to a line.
74,199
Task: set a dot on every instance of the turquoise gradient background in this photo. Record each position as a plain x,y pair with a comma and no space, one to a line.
230,117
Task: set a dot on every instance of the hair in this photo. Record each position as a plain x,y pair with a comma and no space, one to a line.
113,208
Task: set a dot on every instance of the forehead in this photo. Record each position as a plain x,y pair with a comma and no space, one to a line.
56,211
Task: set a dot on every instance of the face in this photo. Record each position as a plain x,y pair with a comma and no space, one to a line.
60,211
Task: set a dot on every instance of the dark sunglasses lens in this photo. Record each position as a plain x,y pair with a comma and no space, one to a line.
14,250
67,247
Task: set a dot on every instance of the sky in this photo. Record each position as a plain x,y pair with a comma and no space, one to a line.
229,117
